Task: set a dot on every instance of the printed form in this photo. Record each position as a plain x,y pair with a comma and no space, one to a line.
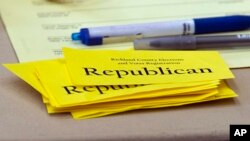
38,29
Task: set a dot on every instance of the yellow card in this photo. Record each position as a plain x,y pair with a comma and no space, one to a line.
62,93
57,79
172,94
127,105
26,71
93,111
112,67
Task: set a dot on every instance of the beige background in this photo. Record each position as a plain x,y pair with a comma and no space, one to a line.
23,115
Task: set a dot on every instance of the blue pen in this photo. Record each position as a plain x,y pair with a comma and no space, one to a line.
95,35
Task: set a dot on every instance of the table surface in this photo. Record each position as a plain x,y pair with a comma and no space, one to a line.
24,117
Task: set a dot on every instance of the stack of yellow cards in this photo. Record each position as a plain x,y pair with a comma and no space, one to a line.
93,83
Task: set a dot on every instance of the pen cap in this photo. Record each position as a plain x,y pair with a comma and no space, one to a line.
166,43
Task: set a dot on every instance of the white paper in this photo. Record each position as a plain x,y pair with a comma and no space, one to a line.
38,29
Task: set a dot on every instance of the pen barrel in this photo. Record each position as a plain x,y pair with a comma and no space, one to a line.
222,41
192,42
166,43
181,27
